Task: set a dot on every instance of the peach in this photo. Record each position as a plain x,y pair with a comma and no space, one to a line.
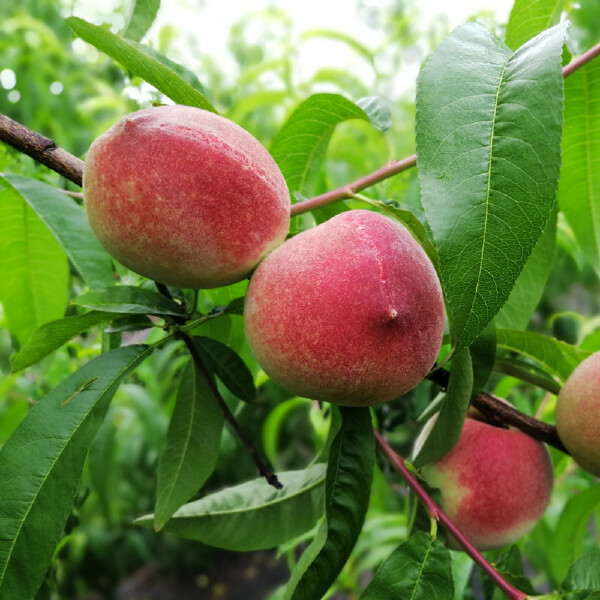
495,484
578,414
350,311
185,197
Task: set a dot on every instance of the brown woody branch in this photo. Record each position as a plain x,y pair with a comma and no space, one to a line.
41,149
496,411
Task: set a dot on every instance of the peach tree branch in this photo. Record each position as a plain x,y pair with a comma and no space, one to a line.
41,149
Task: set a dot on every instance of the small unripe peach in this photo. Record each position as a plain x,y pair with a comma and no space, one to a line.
185,197
578,414
495,484
350,311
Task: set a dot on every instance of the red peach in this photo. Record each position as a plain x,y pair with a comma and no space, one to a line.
495,484
578,414
185,197
350,311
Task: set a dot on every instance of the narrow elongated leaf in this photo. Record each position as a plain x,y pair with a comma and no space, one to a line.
529,287
253,515
579,189
228,366
41,463
192,447
300,145
34,268
528,18
572,530
53,335
443,432
559,358
69,225
349,476
142,17
488,141
130,300
147,63
419,569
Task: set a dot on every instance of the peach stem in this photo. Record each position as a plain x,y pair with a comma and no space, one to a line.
395,167
435,512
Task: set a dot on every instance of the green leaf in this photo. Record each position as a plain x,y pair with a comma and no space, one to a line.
53,335
529,287
253,515
510,566
559,358
443,431
41,463
409,220
130,300
419,569
584,574
528,18
349,476
34,268
169,78
572,530
128,323
378,111
300,145
69,225
228,366
579,189
192,447
488,145
483,356
142,17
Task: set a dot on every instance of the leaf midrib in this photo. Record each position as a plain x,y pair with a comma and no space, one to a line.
487,193
414,590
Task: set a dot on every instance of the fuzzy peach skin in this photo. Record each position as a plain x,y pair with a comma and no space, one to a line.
578,414
495,484
185,197
350,311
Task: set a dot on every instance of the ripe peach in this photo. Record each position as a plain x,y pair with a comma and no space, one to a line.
350,311
495,484
578,414
185,197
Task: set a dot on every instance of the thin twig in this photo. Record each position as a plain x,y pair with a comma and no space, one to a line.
581,60
41,149
263,470
343,193
435,512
